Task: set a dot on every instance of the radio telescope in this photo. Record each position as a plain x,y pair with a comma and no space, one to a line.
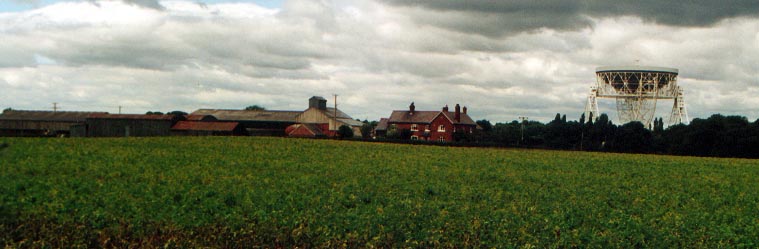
637,89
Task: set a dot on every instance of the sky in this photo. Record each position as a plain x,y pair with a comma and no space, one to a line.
501,59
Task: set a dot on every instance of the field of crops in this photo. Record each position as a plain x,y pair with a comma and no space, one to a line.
274,192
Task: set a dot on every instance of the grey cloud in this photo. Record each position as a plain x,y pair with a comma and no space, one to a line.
152,4
499,18
377,57
32,2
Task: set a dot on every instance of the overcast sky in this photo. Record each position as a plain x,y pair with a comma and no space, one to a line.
501,59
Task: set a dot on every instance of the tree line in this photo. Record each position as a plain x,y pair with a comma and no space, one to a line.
717,136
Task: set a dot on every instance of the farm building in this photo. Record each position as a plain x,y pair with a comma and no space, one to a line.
441,126
130,125
42,123
381,129
207,128
254,122
204,118
319,120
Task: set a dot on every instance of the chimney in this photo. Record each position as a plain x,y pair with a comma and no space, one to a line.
445,108
411,108
457,114
463,110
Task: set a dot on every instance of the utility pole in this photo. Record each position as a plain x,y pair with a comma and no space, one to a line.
119,109
55,106
523,119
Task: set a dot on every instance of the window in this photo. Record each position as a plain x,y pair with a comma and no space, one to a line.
441,139
414,137
414,127
427,128
441,128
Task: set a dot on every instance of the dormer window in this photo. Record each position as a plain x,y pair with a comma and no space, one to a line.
441,128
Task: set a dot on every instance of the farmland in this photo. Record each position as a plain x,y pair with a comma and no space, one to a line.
274,192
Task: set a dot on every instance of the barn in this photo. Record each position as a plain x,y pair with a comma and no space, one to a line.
254,122
42,123
207,128
130,125
320,120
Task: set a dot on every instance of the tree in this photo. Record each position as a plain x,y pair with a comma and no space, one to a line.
10,109
632,137
366,130
153,113
180,113
485,125
344,132
255,108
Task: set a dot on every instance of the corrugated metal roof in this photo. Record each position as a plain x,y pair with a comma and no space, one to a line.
426,117
132,116
330,112
314,129
59,116
205,126
191,117
350,121
249,115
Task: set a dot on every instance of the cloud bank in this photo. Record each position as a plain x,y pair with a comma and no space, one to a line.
502,60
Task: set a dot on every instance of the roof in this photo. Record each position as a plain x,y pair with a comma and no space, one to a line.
199,117
330,112
341,116
205,126
350,121
249,115
426,117
636,69
314,129
382,125
132,116
46,115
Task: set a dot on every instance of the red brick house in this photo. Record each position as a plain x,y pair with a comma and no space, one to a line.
431,125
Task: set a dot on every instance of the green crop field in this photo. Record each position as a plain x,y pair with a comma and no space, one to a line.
275,192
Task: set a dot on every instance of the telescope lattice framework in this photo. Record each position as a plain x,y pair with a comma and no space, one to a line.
636,90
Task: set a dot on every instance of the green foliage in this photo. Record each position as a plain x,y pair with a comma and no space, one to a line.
255,108
366,129
344,131
179,113
153,113
485,125
274,192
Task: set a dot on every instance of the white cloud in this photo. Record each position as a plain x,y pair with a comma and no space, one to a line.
377,57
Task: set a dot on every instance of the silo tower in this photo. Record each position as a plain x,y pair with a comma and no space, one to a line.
636,90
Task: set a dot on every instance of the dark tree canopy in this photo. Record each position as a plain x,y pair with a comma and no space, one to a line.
177,113
344,132
255,108
720,136
154,113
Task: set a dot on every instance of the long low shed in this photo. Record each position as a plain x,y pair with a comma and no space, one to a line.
130,125
42,123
